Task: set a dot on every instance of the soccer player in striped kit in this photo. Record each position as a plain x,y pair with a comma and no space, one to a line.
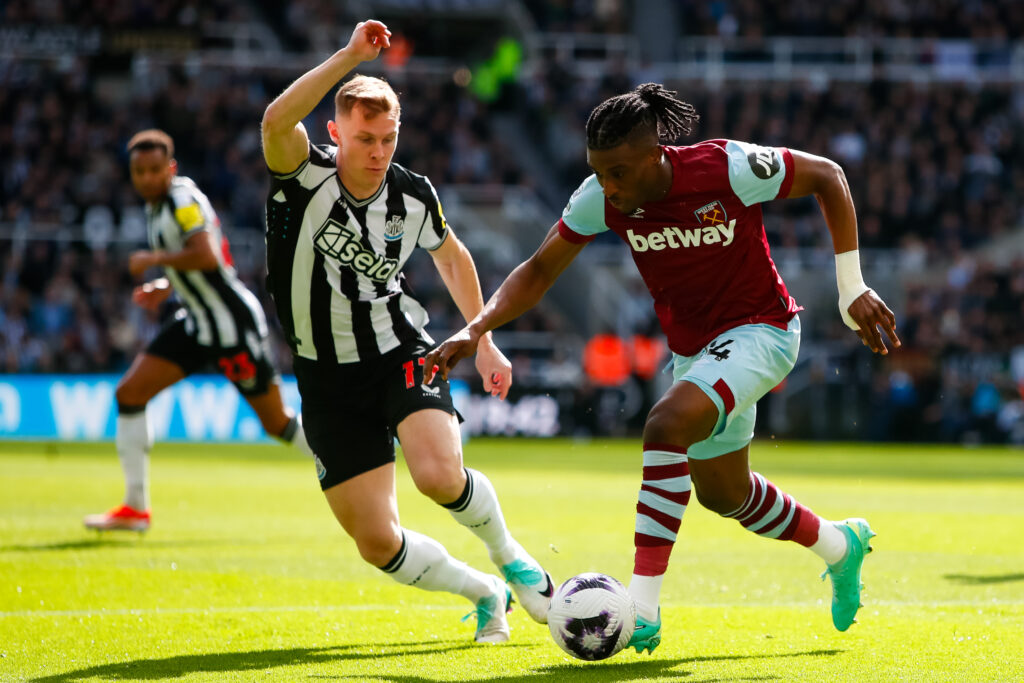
342,220
221,324
691,217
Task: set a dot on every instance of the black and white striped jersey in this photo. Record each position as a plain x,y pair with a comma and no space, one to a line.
221,311
334,263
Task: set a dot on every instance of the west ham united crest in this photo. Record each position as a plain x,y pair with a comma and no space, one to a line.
711,214
394,228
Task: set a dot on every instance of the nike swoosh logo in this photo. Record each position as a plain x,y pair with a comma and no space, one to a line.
550,590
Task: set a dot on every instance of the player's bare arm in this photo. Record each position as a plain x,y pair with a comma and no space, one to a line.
200,253
458,272
862,310
520,292
285,143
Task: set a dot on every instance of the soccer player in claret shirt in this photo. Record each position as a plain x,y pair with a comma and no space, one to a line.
691,217
221,324
342,220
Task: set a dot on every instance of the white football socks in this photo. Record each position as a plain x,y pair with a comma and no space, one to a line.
646,592
424,563
295,435
134,440
832,543
479,511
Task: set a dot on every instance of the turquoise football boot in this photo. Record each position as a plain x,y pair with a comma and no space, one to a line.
845,574
647,635
531,584
490,612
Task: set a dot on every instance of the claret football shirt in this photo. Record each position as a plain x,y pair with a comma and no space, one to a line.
702,250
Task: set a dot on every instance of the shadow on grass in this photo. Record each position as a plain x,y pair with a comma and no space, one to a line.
648,668
115,542
982,579
262,660
257,660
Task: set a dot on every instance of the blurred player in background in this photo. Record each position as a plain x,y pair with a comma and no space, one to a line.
221,324
342,220
691,217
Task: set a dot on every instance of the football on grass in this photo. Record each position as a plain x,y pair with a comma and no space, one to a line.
592,616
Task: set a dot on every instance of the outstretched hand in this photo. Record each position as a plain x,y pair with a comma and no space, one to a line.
870,313
150,295
447,355
494,369
368,38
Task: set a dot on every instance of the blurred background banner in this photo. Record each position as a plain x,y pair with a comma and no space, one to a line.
921,103
82,408
208,408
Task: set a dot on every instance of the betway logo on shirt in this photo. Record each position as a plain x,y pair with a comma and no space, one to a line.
334,239
675,238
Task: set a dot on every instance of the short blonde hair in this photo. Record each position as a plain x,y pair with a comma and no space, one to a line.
153,138
375,95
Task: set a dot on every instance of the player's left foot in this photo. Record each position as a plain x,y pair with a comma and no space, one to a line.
121,518
845,573
532,585
647,635
490,611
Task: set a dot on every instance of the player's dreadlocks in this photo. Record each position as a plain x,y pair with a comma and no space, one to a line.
647,109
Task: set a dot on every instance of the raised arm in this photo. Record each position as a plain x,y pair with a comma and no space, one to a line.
520,292
861,309
285,143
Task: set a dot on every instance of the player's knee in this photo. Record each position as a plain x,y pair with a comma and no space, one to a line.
378,547
442,484
681,425
720,497
130,397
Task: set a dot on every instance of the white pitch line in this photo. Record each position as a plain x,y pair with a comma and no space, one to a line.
162,611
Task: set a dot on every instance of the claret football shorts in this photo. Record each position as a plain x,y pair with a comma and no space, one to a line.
351,411
735,370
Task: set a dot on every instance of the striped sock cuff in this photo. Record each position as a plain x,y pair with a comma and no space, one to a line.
772,513
395,563
462,502
288,433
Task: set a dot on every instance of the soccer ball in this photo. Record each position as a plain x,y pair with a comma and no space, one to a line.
592,616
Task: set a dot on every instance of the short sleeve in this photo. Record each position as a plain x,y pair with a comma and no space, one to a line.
435,229
583,216
758,174
187,212
312,171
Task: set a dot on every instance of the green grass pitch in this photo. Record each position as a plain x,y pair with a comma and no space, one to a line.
245,575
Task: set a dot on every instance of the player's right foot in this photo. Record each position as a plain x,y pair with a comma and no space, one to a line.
647,635
490,611
531,584
122,518
845,573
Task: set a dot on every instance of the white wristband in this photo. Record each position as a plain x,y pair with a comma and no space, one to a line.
851,284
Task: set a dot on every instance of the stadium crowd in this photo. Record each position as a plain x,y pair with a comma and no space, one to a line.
938,165
935,170
992,20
